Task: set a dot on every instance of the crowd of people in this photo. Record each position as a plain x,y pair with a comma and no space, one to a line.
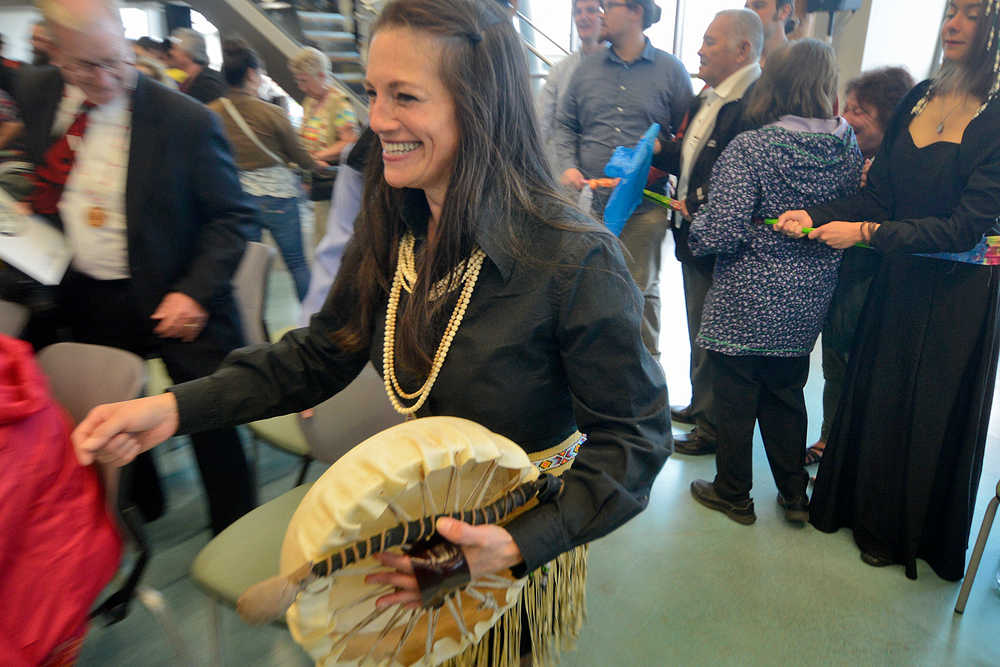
459,260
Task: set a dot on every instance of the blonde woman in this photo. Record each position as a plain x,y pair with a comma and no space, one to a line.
329,124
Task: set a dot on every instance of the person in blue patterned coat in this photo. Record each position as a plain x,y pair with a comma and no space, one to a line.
769,293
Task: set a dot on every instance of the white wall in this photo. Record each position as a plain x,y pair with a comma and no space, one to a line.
887,32
903,32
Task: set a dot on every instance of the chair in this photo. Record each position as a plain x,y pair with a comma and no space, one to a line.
242,555
13,317
247,552
326,436
281,432
977,551
81,377
250,289
351,416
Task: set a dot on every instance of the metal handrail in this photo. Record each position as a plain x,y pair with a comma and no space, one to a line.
543,34
535,52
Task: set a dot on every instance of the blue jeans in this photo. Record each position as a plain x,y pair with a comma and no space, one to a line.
281,217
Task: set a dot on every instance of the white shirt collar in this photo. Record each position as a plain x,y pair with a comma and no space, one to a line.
737,83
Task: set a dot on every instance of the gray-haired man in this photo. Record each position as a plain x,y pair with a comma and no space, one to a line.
188,53
729,57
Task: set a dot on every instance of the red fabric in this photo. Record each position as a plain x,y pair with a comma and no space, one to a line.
51,177
58,545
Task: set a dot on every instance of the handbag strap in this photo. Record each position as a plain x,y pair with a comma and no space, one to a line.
242,124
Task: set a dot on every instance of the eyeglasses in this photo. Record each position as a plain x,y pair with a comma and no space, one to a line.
90,68
605,6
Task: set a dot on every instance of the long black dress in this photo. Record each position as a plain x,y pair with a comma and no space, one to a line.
902,465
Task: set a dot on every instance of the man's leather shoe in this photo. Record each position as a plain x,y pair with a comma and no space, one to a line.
740,512
693,444
681,415
796,510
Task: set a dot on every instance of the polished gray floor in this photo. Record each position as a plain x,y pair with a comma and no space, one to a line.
678,585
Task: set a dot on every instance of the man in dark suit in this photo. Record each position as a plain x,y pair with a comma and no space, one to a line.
729,66
150,202
188,53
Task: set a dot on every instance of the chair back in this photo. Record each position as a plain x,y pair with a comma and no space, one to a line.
81,377
13,317
84,376
348,418
250,289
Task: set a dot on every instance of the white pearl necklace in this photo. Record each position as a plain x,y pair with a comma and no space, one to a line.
406,277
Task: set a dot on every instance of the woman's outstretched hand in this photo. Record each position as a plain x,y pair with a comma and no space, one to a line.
116,433
838,234
791,223
487,548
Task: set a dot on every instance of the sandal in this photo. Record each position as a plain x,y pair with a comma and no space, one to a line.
814,454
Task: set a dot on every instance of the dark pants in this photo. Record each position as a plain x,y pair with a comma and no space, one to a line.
104,312
834,372
766,390
697,275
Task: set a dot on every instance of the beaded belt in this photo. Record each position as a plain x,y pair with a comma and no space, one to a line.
556,460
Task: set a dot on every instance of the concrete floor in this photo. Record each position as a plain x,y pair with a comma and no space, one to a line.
678,585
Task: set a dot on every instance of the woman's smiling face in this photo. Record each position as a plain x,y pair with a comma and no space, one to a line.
959,28
412,111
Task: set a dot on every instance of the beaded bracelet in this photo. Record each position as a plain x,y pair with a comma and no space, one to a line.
867,229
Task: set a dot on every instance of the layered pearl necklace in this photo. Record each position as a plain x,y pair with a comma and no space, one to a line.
406,277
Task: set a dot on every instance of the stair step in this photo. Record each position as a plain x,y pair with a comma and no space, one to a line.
351,77
322,21
330,41
344,56
345,68
309,17
329,35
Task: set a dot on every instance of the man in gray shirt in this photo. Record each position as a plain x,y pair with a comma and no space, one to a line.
612,99
587,19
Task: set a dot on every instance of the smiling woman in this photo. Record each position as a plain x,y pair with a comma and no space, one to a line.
413,113
478,293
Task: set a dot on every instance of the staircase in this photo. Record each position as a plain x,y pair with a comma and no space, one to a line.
330,33
279,29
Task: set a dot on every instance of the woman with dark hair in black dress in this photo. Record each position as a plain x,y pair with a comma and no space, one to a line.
905,453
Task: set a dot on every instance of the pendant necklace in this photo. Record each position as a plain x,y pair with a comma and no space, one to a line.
940,126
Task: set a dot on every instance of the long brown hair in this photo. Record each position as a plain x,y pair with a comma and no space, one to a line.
978,73
499,174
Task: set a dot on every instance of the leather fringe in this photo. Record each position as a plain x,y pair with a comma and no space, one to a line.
555,603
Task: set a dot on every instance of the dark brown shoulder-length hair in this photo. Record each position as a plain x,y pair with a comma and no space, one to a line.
800,79
499,170
881,89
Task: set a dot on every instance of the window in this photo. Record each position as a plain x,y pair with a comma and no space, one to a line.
136,22
211,34
697,14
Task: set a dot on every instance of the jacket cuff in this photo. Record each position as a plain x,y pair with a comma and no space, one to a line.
189,288
195,405
540,536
